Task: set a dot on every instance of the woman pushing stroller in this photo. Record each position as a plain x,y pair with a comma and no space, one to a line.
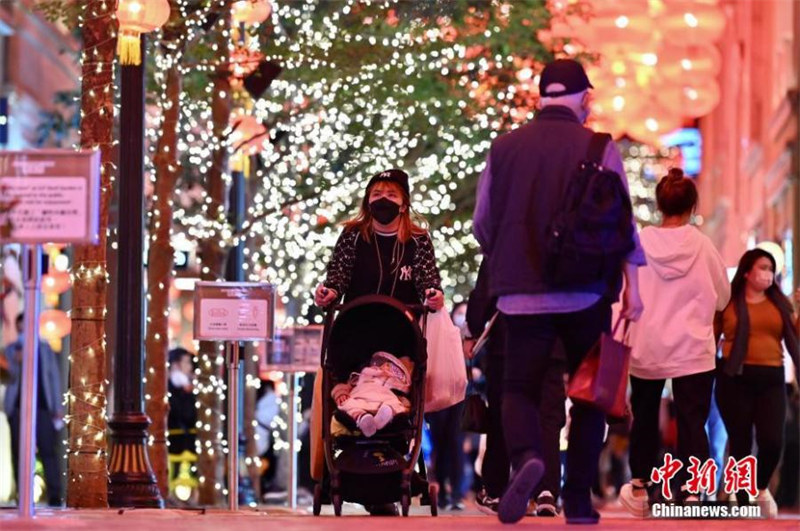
384,250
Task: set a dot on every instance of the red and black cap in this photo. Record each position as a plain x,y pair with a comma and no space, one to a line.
563,77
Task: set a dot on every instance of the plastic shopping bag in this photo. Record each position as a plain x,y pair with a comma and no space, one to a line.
446,379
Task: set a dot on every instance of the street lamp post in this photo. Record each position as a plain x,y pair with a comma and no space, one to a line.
132,482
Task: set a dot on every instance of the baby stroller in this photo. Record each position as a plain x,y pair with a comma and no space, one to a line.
379,469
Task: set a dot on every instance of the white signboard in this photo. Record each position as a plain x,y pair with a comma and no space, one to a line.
55,195
233,311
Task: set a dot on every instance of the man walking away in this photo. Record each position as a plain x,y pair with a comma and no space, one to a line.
520,195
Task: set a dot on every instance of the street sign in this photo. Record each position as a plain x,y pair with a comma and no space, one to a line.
55,195
234,311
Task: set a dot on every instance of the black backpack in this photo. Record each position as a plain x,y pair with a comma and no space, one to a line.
592,232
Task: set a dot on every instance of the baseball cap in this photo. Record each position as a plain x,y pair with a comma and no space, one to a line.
563,77
394,175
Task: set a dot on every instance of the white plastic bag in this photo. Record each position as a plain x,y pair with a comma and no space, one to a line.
446,379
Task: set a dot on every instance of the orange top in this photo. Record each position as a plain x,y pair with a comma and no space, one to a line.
765,345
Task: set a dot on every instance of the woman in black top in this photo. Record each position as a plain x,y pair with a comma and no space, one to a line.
383,250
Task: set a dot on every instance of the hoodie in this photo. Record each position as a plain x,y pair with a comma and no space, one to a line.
684,283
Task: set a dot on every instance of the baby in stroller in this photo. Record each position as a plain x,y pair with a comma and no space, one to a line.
374,396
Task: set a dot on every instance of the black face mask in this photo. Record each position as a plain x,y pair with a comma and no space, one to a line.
384,210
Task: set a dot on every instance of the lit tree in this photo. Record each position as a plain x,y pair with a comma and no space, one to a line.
420,85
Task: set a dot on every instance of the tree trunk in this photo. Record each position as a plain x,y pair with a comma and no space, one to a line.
211,462
87,476
159,271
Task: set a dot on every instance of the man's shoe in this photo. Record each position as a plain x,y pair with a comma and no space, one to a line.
383,509
546,505
486,504
635,499
514,502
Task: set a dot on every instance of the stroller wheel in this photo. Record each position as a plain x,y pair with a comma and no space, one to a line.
317,499
337,504
405,503
433,493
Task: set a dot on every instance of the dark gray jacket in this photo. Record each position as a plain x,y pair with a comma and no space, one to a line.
530,169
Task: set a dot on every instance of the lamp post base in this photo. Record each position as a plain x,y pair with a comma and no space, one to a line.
131,479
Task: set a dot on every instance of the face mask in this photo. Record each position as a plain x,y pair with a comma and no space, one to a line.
384,210
765,278
459,319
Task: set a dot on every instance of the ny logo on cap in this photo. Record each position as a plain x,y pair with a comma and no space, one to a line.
386,174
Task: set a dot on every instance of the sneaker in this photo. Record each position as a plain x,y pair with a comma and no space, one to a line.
486,504
546,505
767,503
514,502
635,499
457,506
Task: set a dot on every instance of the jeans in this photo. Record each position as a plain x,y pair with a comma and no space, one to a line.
531,339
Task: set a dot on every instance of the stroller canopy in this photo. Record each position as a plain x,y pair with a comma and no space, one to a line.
368,325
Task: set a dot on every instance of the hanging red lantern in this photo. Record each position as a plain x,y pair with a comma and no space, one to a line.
251,11
651,123
690,97
691,22
244,62
249,135
628,30
677,61
136,17
54,324
56,282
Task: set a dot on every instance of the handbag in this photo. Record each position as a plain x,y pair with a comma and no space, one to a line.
446,377
475,417
601,380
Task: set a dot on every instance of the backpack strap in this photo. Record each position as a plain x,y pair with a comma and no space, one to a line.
597,147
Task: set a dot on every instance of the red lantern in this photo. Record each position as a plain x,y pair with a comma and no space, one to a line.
249,135
688,61
694,98
244,62
692,22
251,11
622,30
651,123
136,17
56,282
54,324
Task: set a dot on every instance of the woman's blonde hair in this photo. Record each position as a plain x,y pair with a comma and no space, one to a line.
411,223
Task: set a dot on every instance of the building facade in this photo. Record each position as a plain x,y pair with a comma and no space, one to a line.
751,165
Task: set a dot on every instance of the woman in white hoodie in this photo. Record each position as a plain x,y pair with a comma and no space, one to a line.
682,286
